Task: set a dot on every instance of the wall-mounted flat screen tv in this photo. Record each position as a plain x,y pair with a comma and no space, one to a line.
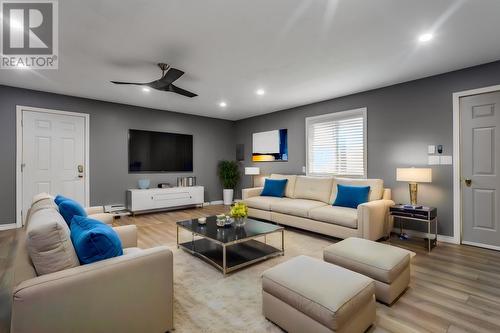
159,152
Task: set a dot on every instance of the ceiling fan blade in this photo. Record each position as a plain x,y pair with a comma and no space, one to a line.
180,91
171,75
119,82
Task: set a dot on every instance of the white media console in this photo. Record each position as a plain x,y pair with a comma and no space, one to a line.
141,201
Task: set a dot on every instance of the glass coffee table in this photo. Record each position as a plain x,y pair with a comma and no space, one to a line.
230,248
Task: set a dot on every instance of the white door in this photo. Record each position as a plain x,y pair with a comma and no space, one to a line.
480,162
53,156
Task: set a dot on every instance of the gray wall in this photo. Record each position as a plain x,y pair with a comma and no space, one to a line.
402,120
109,124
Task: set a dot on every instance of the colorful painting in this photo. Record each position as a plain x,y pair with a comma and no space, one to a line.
270,146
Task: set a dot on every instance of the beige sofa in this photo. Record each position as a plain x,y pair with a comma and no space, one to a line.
129,293
307,204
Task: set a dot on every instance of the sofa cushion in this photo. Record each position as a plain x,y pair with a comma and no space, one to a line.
263,203
313,188
274,188
94,240
290,184
327,293
379,261
376,187
351,196
105,218
41,196
69,208
347,217
46,203
48,242
296,207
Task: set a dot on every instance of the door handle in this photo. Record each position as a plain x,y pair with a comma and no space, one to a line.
468,182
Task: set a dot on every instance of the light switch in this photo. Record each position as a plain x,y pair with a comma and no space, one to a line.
431,149
433,160
446,160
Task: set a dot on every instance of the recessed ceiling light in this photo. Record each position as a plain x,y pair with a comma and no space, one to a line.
260,92
146,89
425,37
222,104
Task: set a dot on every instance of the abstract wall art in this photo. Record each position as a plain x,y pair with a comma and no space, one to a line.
270,146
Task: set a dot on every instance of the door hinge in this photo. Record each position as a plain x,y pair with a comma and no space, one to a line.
23,165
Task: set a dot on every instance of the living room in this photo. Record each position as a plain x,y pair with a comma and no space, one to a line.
300,166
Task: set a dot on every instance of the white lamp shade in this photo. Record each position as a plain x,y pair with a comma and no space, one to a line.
414,175
252,171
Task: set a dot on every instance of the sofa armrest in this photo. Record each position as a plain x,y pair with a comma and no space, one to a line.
130,293
251,192
127,234
373,219
94,210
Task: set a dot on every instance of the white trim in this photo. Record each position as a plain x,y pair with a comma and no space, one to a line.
457,200
419,234
485,246
216,202
8,226
19,153
340,114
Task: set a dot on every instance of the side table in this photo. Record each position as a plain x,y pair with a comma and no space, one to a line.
422,214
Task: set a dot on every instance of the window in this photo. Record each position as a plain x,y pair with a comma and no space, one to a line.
336,144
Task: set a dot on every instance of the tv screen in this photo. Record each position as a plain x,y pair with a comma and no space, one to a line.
159,152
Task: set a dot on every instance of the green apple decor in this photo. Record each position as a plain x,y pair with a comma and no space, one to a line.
239,211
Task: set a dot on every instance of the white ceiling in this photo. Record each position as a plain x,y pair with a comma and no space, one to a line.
299,51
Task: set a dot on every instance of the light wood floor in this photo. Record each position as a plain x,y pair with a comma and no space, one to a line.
453,289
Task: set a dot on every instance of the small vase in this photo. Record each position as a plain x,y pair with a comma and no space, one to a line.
143,184
240,221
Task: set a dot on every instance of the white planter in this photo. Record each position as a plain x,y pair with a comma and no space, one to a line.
228,196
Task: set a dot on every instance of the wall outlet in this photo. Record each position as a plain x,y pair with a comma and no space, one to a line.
304,169
446,160
433,160
431,149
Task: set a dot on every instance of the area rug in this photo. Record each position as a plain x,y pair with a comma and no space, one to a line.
206,301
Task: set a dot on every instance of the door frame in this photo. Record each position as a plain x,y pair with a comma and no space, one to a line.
19,153
457,189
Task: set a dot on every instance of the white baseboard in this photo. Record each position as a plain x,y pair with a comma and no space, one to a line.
8,226
419,234
215,202
486,246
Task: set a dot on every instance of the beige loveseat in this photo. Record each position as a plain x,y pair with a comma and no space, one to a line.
129,293
307,204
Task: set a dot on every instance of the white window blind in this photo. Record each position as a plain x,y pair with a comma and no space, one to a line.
336,144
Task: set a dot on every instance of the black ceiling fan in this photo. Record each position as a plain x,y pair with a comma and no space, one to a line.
168,76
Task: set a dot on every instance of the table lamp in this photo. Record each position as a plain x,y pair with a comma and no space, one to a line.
414,176
252,171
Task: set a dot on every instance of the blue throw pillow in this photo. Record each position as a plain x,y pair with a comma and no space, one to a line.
69,208
274,188
351,196
59,198
94,240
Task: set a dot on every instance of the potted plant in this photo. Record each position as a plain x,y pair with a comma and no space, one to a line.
229,175
239,211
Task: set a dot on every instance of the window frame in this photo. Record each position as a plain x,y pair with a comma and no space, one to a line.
338,116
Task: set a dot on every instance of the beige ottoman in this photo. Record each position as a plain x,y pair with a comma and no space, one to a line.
308,295
388,265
